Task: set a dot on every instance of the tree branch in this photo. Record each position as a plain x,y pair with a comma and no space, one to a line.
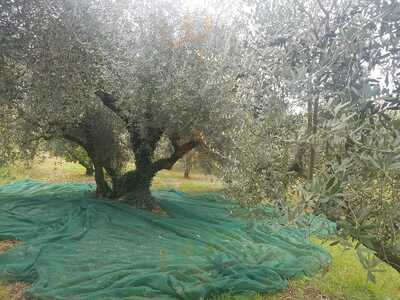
386,253
75,139
110,102
322,7
180,151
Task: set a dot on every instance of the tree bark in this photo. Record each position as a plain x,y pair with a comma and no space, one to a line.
384,252
89,171
134,186
188,168
89,168
187,164
102,187
297,165
387,254
312,127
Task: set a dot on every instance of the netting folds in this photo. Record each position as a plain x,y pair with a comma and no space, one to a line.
77,247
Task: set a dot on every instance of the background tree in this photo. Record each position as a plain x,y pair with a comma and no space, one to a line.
314,58
75,154
188,160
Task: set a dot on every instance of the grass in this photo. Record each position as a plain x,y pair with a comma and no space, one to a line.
51,170
345,280
58,170
197,183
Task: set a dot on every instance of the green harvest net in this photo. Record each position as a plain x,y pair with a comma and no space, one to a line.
78,247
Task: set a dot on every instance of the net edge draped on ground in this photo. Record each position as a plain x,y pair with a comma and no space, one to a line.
78,247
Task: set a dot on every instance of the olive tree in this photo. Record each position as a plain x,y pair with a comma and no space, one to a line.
314,57
310,52
359,183
140,70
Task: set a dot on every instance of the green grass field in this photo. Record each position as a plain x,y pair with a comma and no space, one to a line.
345,279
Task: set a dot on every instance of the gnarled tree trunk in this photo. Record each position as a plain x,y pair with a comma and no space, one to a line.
134,186
134,189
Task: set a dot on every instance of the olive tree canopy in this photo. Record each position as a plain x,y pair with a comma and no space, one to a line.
120,74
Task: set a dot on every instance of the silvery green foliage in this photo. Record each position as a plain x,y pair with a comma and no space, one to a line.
170,63
359,184
308,48
256,165
17,139
327,55
48,82
8,151
318,52
168,66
